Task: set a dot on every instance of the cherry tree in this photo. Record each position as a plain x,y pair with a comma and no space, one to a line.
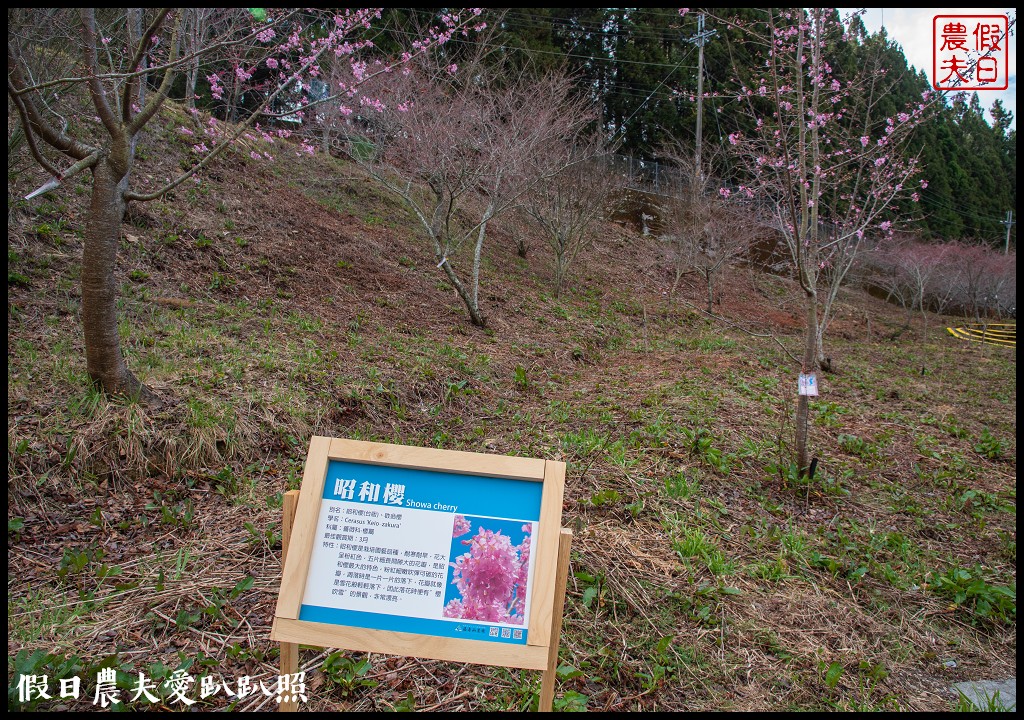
914,272
87,82
460,146
988,281
973,279
946,281
567,207
823,169
708,226
198,24
1003,283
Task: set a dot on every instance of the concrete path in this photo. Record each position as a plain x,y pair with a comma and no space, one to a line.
982,693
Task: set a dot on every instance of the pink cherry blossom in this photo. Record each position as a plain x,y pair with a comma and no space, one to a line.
491,577
461,526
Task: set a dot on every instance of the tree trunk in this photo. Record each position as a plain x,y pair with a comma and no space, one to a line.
467,299
521,247
822,361
231,113
809,364
477,255
135,21
325,139
192,73
560,263
191,77
104,361
675,282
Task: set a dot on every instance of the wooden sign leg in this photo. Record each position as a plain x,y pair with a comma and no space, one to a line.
289,651
547,685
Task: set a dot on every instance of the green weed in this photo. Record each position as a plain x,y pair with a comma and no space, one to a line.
347,674
695,544
987,703
855,445
970,590
989,446
680,486
593,589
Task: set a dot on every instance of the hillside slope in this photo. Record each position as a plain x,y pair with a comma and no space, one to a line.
281,299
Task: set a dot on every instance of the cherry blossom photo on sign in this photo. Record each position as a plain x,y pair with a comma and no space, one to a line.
487,577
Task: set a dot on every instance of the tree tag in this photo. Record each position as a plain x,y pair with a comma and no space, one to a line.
808,384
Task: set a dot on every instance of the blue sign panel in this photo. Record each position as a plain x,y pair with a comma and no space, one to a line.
425,552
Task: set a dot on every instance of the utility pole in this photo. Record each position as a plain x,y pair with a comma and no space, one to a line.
699,40
1007,222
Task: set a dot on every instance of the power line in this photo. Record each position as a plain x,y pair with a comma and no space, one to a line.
633,114
600,29
558,53
635,92
973,214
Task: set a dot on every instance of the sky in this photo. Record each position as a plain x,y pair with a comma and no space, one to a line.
912,29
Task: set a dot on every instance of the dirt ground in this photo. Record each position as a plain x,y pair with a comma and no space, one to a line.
274,302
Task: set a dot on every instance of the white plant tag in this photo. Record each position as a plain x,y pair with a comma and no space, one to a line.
808,384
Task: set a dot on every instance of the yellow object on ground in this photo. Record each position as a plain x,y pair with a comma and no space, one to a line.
1004,334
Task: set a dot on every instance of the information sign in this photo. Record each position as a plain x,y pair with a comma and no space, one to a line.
423,552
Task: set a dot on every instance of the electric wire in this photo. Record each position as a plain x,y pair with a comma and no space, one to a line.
557,53
673,96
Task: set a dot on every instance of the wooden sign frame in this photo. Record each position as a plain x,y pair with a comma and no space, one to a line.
549,546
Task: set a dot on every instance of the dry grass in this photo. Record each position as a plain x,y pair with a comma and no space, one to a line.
703,577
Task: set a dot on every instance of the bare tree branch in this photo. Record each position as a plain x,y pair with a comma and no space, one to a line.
96,89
